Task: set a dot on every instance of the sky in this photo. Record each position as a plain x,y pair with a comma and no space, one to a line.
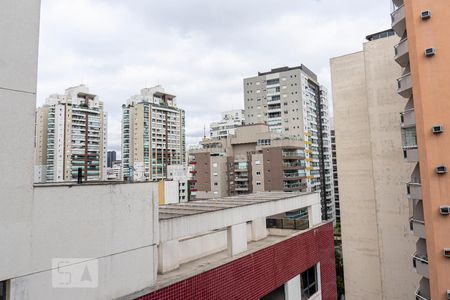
198,50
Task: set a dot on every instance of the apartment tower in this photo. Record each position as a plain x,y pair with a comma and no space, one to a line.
292,103
376,240
424,55
153,135
227,126
71,137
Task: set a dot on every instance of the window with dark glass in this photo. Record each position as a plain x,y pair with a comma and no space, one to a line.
2,290
309,282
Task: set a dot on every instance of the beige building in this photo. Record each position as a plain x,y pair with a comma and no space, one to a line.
71,137
376,239
291,101
254,159
153,135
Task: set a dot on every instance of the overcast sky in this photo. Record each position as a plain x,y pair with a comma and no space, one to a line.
199,50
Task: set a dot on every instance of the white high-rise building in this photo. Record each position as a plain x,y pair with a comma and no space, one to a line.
153,135
293,103
71,137
227,126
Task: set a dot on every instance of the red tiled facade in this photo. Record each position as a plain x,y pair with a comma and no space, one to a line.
259,273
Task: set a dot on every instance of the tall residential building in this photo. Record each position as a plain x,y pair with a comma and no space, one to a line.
227,126
252,160
111,157
293,103
376,243
335,172
71,136
424,55
153,135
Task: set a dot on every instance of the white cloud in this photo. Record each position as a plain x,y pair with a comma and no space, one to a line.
199,50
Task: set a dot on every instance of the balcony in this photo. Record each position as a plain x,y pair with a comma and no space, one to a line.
420,263
405,85
296,154
402,53
294,165
408,118
398,21
417,227
423,292
411,154
414,191
397,3
241,188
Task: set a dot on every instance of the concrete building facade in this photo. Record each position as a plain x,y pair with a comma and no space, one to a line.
376,240
153,135
71,135
423,53
227,126
252,160
292,102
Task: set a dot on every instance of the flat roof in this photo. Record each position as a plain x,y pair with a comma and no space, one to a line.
178,210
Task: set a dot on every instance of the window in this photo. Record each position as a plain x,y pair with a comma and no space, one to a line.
3,290
258,183
215,183
258,173
214,165
216,174
309,282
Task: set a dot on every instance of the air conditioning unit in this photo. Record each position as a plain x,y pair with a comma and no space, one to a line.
430,52
437,129
441,170
425,15
448,294
446,252
444,210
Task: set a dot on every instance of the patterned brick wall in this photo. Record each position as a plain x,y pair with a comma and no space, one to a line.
257,274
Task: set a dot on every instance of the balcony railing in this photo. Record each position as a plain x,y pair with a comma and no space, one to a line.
408,118
414,190
402,53
398,21
419,295
420,263
418,227
405,85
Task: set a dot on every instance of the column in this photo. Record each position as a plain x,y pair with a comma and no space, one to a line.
259,230
237,239
168,256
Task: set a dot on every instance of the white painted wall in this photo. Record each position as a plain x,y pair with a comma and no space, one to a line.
18,73
113,223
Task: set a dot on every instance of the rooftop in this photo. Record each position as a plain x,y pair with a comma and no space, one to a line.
178,210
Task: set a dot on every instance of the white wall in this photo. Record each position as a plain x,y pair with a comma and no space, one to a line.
19,29
116,224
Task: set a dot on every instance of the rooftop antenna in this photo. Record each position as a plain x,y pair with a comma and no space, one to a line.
204,131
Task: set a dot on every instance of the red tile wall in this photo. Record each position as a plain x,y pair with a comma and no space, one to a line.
257,274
